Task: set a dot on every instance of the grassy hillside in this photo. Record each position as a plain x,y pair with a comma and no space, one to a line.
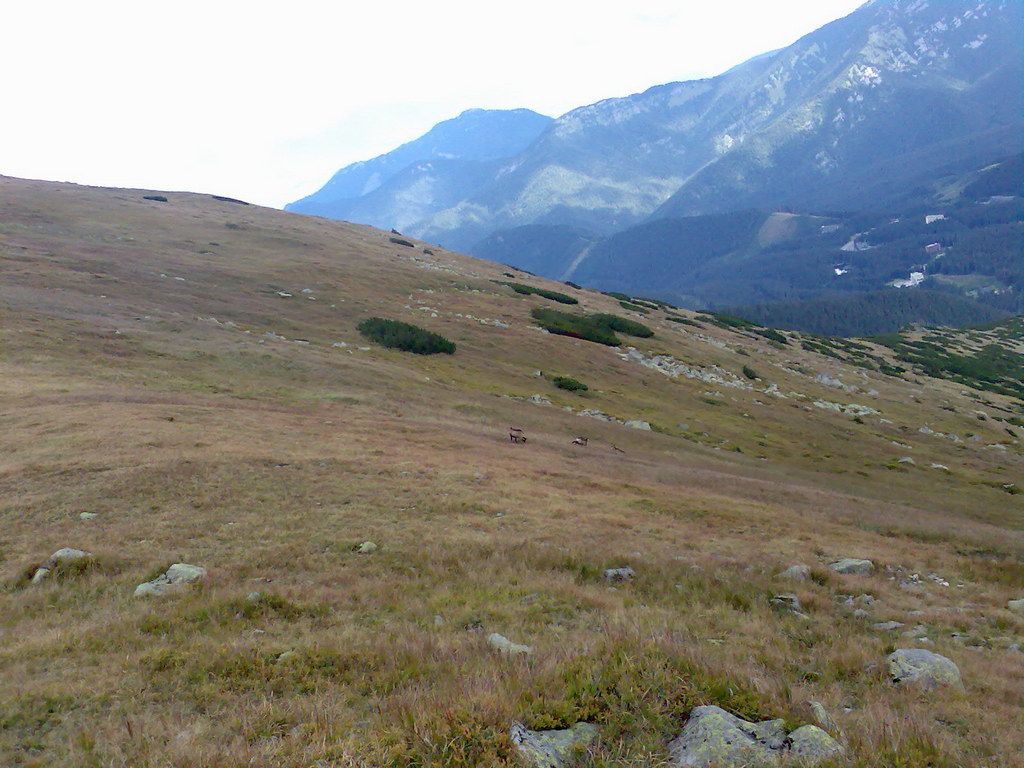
184,381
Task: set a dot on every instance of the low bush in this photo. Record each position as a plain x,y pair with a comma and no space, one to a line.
570,384
401,241
529,290
576,326
157,198
750,373
623,325
599,328
405,336
633,307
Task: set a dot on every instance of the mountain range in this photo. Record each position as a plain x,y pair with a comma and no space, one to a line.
886,110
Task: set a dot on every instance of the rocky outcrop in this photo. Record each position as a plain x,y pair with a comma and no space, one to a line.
714,738
551,749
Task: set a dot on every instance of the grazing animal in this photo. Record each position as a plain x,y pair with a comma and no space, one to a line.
516,435
615,447
581,441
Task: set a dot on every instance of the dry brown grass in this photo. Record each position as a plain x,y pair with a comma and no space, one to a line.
267,462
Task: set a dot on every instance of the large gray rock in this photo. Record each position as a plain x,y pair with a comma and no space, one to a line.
810,745
552,749
176,578
927,670
638,424
850,565
714,737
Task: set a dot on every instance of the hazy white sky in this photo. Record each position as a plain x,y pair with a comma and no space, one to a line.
265,100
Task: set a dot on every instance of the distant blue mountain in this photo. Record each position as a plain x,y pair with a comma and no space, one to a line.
445,165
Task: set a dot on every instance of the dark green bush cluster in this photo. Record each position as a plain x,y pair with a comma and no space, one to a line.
597,328
750,373
772,335
401,241
633,307
529,290
157,198
405,336
623,325
683,320
570,384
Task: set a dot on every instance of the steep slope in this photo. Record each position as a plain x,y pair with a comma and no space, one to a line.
428,174
182,381
848,114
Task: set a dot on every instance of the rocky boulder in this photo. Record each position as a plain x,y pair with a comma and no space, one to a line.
63,558
927,670
1017,606
174,579
552,749
714,738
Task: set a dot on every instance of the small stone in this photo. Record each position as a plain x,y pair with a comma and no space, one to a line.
619,574
638,424
1017,606
438,620
503,644
286,656
796,573
923,668
253,597
367,548
538,400
907,460
551,749
40,575
786,603
887,626
851,565
87,515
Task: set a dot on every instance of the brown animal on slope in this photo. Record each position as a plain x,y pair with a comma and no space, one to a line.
516,435
581,441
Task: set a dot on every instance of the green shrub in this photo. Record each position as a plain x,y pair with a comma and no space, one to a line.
571,284
772,335
633,307
576,326
623,325
750,373
529,290
401,241
405,336
570,384
158,198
